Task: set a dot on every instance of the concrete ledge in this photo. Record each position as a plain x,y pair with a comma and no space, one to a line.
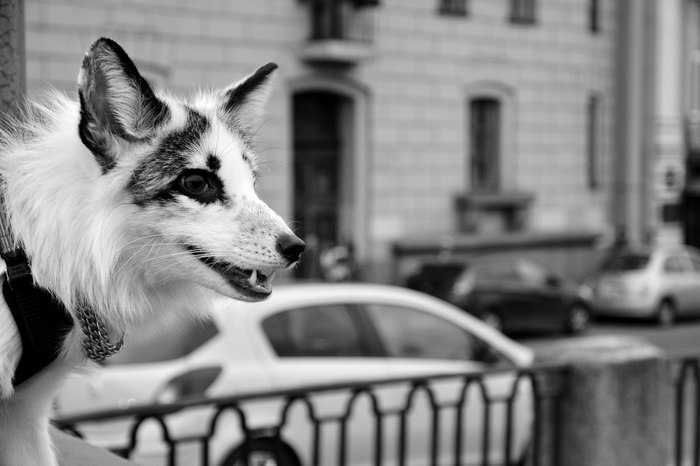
616,406
72,451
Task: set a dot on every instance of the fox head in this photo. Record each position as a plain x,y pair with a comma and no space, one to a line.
187,170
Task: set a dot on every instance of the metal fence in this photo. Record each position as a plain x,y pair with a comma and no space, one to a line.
499,417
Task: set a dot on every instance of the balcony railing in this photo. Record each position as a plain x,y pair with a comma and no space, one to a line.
341,31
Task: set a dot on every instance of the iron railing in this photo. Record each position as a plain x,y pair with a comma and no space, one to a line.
480,425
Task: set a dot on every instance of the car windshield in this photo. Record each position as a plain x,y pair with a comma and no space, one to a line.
177,342
626,262
436,279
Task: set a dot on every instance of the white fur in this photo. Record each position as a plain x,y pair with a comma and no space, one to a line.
88,240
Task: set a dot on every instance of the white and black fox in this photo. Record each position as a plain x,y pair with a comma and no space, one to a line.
133,204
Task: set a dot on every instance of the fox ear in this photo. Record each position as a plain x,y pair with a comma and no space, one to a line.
116,102
243,103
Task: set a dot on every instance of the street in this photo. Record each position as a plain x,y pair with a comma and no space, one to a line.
682,338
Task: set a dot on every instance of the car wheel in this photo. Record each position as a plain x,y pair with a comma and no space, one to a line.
578,320
492,319
262,452
665,314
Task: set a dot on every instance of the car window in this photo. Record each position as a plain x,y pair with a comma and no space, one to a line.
501,272
435,279
321,331
675,265
695,263
532,274
626,262
410,333
174,343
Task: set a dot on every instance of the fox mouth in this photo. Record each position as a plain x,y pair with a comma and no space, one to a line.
254,284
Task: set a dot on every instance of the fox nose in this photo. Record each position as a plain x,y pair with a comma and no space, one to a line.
291,247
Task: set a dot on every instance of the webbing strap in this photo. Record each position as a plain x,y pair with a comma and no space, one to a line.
42,321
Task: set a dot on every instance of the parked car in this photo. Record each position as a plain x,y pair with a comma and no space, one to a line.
310,334
513,295
658,283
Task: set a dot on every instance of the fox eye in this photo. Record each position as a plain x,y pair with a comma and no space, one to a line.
200,185
195,184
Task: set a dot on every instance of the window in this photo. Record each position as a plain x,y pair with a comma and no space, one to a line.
323,331
164,346
592,141
626,262
594,15
695,262
675,265
533,274
408,333
670,213
523,11
484,163
453,7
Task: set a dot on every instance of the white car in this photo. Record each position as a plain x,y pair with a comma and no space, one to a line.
311,334
660,283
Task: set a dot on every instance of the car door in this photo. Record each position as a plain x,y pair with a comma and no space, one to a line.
317,345
139,375
135,375
540,296
677,280
497,291
418,343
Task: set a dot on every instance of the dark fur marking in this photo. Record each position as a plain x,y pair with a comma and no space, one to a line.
213,162
153,178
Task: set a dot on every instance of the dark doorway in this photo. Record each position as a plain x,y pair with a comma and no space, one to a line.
322,176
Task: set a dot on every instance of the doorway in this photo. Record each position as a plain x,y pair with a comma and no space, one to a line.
323,174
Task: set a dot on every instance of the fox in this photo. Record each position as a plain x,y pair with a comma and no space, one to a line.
134,208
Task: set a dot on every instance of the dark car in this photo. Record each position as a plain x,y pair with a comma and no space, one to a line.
512,295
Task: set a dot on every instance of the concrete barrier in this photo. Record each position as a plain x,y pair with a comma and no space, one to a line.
616,407
71,451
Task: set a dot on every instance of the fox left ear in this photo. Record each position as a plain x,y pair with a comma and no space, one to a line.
243,103
116,102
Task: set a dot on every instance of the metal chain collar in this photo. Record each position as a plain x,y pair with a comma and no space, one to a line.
96,343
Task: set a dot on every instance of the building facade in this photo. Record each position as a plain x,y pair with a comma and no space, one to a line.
395,119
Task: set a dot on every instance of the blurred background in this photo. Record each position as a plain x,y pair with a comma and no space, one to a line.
402,128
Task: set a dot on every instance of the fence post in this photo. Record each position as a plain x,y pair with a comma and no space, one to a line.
616,408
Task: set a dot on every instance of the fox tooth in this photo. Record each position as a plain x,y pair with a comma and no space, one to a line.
271,276
253,280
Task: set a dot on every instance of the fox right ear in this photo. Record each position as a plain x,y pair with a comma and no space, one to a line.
243,103
116,102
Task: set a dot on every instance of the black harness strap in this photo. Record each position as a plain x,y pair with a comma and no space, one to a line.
42,321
